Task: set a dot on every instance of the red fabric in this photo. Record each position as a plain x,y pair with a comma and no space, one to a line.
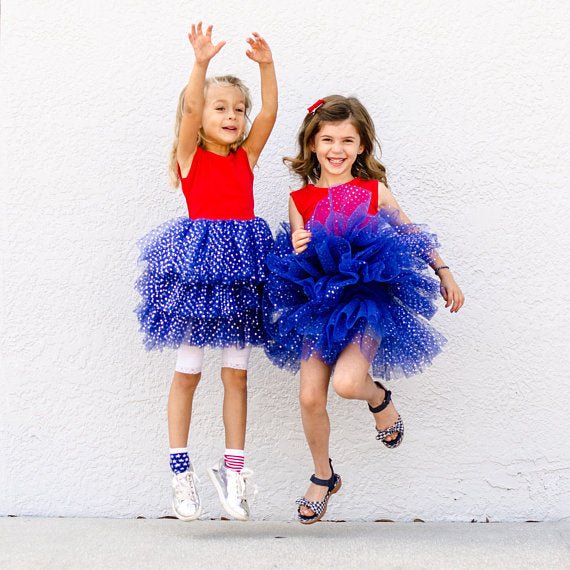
307,198
219,187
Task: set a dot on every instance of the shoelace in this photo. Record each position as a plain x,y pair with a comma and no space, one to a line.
250,490
186,488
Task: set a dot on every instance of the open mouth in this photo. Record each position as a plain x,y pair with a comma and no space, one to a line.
336,161
230,129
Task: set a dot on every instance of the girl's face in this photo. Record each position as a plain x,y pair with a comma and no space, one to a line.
337,146
223,117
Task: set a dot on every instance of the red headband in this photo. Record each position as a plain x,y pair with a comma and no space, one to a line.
316,105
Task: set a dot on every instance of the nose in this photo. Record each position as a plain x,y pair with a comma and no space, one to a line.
337,146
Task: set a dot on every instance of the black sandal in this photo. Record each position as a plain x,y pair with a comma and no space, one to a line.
319,507
397,426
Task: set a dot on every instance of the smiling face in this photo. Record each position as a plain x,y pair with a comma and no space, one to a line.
337,146
223,117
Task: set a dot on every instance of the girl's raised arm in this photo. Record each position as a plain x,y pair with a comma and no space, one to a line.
449,289
263,124
204,51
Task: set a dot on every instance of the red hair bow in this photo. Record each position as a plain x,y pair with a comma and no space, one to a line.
316,105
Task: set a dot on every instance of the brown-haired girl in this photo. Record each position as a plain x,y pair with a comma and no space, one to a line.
204,273
348,290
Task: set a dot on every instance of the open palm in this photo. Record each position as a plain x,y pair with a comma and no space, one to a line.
259,49
204,49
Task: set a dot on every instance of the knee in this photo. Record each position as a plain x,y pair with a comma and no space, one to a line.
185,381
234,379
346,386
312,401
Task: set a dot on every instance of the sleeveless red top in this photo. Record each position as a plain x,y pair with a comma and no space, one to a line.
219,187
307,198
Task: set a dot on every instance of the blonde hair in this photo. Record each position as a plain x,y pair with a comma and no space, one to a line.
223,80
335,110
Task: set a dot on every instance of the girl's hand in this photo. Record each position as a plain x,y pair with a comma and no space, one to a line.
260,51
300,240
451,292
204,49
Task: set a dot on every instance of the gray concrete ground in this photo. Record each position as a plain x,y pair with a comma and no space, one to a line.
165,543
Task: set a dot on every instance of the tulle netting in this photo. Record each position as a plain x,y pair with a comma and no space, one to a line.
202,282
362,279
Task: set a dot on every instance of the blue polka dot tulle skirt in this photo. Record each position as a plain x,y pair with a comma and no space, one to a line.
363,279
202,283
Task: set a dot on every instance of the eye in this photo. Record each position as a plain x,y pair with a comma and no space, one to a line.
240,110
220,108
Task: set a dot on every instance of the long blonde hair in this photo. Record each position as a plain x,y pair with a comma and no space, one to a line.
335,110
224,80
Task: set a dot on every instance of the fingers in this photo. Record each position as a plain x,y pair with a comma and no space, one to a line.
455,299
300,240
458,303
219,46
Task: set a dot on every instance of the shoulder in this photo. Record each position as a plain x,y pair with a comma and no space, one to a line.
299,192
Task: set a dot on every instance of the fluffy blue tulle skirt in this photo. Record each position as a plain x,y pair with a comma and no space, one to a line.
363,279
202,282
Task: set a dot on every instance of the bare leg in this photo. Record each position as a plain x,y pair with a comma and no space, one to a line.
352,381
315,376
235,406
180,401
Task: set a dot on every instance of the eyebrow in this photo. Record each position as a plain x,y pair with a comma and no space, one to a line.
226,101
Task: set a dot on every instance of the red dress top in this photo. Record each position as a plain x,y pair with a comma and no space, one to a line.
219,187
307,198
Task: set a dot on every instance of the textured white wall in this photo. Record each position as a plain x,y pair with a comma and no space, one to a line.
471,104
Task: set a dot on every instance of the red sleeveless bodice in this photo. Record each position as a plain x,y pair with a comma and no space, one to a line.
309,196
219,187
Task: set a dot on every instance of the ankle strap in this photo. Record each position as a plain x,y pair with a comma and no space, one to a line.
387,399
325,482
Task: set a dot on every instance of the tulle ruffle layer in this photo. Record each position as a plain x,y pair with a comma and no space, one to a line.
202,282
362,279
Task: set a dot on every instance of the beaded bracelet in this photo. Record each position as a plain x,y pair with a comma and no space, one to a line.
437,269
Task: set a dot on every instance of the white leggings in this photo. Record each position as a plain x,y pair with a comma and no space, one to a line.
190,358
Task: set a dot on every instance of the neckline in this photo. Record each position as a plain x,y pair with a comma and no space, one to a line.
220,155
334,185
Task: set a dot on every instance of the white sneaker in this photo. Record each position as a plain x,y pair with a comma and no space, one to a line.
185,499
231,487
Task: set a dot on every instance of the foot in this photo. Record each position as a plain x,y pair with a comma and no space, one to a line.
387,417
314,493
232,489
185,499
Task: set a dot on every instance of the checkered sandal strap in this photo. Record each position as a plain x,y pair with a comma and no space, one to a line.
397,427
316,506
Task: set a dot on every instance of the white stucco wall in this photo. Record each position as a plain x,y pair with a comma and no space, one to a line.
470,100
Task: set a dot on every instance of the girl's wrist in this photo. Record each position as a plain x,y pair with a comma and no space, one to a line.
441,269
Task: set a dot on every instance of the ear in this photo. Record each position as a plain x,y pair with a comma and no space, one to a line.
361,149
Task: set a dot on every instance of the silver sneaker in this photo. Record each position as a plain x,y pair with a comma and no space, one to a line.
231,487
185,499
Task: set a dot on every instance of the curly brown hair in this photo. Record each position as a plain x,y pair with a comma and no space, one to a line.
335,110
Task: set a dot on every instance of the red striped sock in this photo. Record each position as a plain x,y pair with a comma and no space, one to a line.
234,459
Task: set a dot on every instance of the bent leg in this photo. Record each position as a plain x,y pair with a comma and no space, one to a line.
352,381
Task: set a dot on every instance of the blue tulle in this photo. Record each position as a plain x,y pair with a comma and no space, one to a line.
361,279
202,282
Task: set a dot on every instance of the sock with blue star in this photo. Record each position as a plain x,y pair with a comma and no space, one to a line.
179,460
